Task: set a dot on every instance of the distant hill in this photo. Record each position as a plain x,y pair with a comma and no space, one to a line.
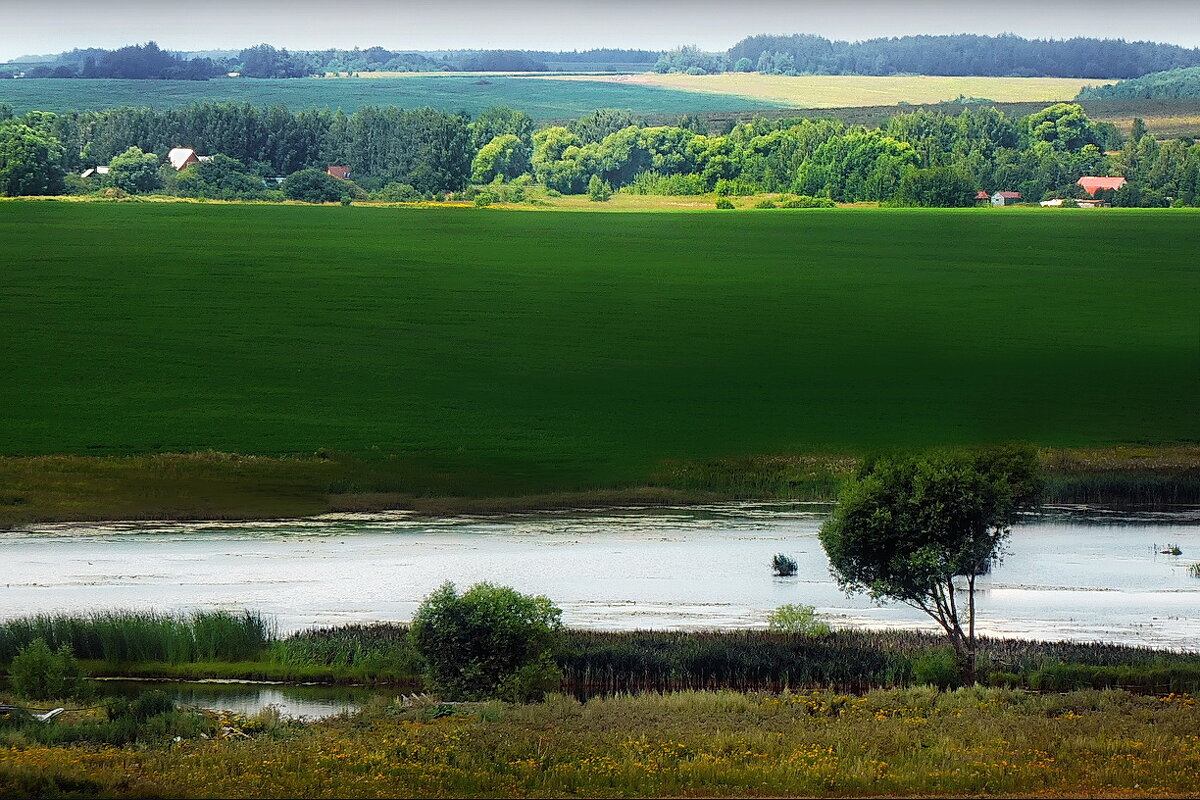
1172,84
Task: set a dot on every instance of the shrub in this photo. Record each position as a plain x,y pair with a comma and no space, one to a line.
784,564
725,203
491,641
1004,680
936,667
765,203
397,193
650,182
597,190
314,186
804,201
39,673
798,620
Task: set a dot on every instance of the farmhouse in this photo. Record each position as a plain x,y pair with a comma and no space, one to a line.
181,157
339,171
94,172
1092,184
982,196
1006,198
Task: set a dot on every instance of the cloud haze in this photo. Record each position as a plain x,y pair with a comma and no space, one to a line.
27,26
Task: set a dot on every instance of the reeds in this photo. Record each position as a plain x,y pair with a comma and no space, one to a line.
138,636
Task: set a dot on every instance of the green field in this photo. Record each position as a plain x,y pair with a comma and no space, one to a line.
541,99
544,351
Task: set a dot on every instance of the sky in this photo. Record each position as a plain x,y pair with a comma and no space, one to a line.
35,27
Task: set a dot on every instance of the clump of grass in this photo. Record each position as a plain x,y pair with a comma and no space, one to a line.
1194,570
134,636
784,565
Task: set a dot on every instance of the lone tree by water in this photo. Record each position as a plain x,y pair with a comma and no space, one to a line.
920,529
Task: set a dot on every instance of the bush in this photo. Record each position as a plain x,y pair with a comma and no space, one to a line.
39,673
725,203
345,201
397,193
936,667
491,641
673,185
784,564
314,186
765,204
597,190
804,201
798,620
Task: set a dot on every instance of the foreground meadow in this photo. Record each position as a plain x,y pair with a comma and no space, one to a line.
479,353
896,743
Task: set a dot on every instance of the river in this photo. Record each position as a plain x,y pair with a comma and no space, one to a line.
1070,573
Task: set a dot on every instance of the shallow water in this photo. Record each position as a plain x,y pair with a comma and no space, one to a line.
1077,574
311,702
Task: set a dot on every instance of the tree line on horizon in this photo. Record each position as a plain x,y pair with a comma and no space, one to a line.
1006,55
922,157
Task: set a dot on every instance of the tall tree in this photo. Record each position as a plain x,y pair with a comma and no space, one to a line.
30,161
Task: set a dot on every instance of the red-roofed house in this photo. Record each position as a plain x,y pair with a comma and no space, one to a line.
181,157
338,171
1092,184
1005,198
982,195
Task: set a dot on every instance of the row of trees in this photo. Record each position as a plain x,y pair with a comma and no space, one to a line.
960,54
1172,84
918,158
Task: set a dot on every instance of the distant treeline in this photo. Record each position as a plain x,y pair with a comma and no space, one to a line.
148,61
959,54
918,158
1174,84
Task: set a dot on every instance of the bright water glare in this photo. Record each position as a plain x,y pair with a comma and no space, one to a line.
1076,574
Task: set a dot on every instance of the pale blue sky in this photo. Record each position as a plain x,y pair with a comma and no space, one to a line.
29,26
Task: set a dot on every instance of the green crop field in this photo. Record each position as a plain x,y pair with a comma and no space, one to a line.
552,350
541,99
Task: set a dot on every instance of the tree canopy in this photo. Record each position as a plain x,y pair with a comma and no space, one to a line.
907,527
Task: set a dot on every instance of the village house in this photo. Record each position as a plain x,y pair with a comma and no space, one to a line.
94,172
183,157
1092,183
339,171
982,197
1006,198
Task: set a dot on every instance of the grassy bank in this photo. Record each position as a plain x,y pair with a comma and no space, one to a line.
897,743
224,486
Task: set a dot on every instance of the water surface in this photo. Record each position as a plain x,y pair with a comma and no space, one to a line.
1076,574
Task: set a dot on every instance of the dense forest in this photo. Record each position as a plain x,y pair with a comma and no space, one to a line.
921,158
961,54
1174,84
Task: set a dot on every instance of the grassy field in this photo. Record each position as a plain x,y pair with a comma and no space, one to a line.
484,352
541,99
900,743
832,91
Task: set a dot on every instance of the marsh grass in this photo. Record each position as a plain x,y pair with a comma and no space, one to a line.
139,636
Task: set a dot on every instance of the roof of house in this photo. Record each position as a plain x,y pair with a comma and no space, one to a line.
179,156
1009,195
982,195
339,171
1094,183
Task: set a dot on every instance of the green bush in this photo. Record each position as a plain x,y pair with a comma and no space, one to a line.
597,190
397,193
491,641
804,201
936,667
39,673
314,186
784,564
798,620
1004,680
765,203
725,203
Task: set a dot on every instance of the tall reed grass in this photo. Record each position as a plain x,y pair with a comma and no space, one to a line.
133,636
